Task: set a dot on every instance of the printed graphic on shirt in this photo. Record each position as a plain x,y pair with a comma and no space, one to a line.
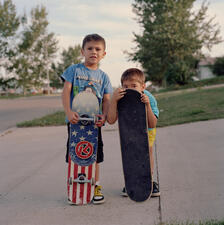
86,78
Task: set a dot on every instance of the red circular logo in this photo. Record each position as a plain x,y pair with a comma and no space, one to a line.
84,149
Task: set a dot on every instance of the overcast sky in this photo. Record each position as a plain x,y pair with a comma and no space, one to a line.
71,20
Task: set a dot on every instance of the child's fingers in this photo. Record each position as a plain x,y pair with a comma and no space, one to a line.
144,98
75,118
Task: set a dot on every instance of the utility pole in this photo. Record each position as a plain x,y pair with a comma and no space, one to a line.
47,67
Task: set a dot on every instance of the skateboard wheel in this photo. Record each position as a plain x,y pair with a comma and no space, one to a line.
70,180
93,181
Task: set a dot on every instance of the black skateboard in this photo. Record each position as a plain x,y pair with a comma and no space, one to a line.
134,146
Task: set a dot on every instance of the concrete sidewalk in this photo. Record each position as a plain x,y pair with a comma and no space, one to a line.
33,178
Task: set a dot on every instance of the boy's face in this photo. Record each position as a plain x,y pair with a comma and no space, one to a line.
93,52
133,84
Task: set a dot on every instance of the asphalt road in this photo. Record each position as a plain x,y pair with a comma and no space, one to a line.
13,111
33,178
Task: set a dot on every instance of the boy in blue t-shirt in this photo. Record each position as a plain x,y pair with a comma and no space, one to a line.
76,78
135,79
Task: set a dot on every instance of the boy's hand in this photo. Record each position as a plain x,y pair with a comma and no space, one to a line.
101,120
118,94
145,99
73,117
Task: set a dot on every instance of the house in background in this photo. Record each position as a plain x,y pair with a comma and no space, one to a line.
204,68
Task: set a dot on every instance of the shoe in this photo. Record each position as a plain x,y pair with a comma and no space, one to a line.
155,190
124,193
70,202
98,197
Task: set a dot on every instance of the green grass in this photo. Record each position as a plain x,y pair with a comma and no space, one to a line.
175,109
55,119
208,222
194,106
194,84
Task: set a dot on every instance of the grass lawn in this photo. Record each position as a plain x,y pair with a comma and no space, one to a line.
190,107
55,119
209,222
180,108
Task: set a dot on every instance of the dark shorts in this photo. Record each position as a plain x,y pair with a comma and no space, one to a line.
100,155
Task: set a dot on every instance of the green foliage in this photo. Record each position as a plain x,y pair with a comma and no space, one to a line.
218,67
7,83
9,24
172,35
69,56
35,51
179,73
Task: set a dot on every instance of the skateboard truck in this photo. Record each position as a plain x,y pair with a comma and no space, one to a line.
81,179
85,119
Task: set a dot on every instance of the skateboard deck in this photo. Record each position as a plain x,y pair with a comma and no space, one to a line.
133,131
83,149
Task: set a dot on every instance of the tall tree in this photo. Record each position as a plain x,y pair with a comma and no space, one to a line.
36,51
9,24
69,56
172,38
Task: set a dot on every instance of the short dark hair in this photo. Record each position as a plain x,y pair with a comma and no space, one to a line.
93,37
133,74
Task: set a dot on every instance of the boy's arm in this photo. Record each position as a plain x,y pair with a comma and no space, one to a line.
105,107
73,117
112,112
152,119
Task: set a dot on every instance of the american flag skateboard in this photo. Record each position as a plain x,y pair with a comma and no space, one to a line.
83,149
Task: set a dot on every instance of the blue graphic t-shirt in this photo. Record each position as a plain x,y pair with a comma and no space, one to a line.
81,77
153,104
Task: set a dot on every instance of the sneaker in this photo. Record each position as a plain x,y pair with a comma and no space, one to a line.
124,193
155,190
70,202
98,197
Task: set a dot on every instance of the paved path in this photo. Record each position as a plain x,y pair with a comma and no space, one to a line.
33,178
13,111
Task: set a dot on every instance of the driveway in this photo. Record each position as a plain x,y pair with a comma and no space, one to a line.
33,178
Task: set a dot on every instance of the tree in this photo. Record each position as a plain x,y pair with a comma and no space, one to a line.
7,83
218,67
35,52
69,56
172,38
9,24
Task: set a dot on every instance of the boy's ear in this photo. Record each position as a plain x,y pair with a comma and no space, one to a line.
104,53
144,86
82,52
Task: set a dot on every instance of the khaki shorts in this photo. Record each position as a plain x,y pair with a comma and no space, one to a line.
152,136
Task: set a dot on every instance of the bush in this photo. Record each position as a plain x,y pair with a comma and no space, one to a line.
218,67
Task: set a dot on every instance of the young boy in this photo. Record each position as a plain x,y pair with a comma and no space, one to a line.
76,78
134,79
